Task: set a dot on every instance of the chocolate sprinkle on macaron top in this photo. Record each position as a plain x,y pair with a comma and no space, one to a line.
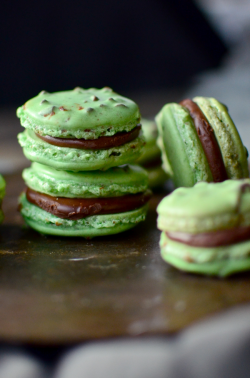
102,117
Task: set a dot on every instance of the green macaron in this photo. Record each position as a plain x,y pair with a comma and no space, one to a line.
81,129
206,228
150,159
116,181
2,194
199,142
101,202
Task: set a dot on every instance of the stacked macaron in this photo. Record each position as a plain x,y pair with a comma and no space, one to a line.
150,159
2,194
77,141
199,142
206,228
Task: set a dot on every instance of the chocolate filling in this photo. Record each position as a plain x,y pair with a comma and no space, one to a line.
214,238
102,143
208,141
78,208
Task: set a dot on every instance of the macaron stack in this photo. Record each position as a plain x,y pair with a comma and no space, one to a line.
206,228
2,194
77,141
150,159
199,142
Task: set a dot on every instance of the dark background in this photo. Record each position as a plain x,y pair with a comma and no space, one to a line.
132,45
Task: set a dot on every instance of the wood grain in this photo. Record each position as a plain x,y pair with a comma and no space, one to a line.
56,291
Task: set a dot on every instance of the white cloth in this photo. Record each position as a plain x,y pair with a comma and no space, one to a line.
17,364
215,348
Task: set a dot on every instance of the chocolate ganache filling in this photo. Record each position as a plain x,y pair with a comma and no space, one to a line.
78,208
208,141
102,143
213,238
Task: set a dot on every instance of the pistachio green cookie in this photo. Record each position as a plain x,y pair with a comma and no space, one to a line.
220,261
181,147
116,181
88,203
81,129
206,229
89,227
199,142
2,194
79,113
234,154
35,149
150,158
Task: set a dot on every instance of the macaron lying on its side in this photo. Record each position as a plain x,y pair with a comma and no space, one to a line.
88,204
81,129
206,228
2,194
200,142
150,159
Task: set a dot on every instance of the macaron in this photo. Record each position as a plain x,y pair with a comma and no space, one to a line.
87,203
81,129
2,194
206,228
150,158
200,142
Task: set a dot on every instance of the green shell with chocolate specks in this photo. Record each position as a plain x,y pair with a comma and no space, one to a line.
79,113
72,159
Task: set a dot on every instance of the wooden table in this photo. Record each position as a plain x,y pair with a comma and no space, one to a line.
58,291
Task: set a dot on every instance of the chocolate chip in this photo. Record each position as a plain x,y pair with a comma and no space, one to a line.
125,106
44,102
89,110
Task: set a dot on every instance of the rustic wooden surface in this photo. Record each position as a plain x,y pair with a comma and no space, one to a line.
60,290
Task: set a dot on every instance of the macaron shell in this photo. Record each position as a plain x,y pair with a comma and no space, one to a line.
88,227
232,149
182,146
206,207
2,187
79,113
117,181
35,149
220,261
